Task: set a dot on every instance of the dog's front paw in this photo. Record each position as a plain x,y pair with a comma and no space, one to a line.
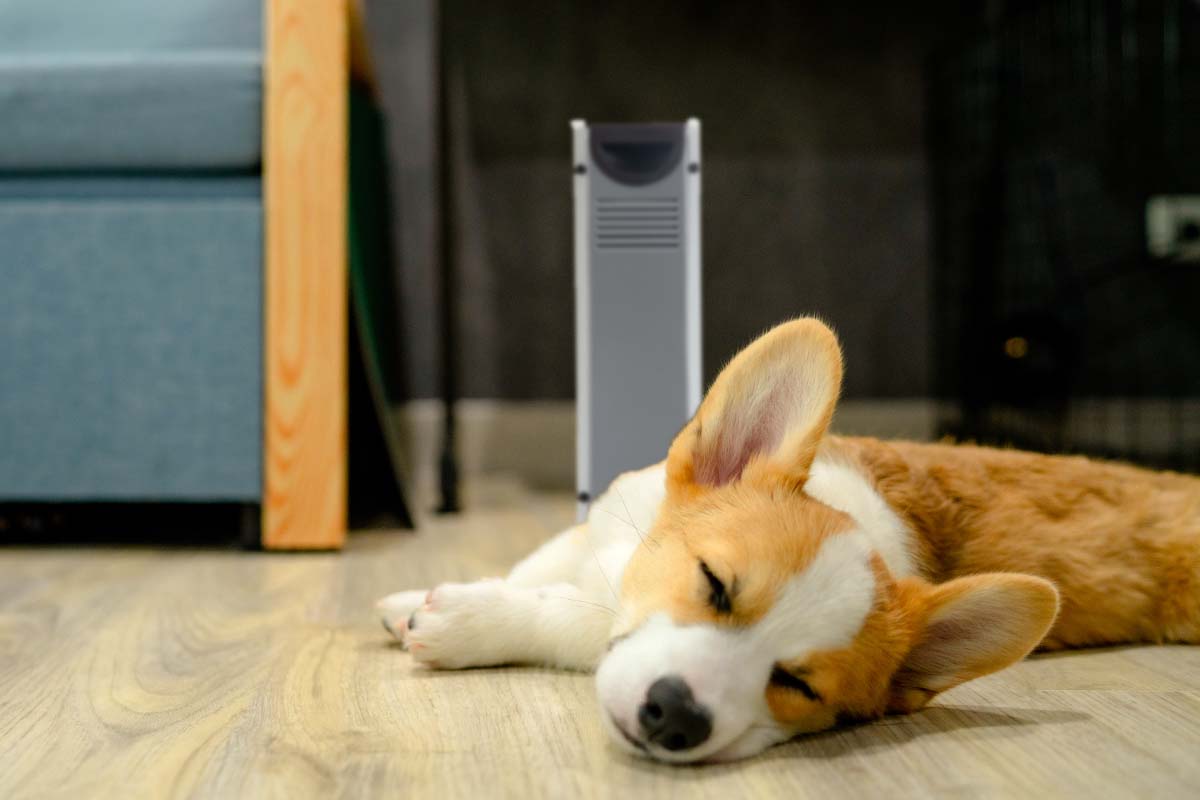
395,610
462,625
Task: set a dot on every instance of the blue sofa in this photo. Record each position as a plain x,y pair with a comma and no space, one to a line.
131,251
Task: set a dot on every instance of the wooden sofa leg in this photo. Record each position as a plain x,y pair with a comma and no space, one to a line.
305,80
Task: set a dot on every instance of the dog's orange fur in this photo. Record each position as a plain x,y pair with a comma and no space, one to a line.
1121,544
687,536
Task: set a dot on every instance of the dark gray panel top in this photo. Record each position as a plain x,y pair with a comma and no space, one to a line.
636,154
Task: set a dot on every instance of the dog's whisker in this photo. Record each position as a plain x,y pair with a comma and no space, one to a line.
576,600
630,523
641,534
588,538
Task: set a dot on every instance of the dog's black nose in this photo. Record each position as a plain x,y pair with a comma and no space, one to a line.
671,717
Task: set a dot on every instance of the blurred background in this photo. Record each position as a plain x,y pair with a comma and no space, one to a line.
996,204
967,191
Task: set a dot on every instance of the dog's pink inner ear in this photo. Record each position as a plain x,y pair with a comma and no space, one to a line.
739,436
980,623
771,403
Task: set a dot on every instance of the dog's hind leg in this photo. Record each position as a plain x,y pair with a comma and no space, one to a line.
495,622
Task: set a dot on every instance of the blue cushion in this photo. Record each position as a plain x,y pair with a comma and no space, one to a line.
130,84
152,111
131,363
34,27
130,186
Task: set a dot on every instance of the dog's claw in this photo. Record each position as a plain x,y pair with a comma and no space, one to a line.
396,613
397,633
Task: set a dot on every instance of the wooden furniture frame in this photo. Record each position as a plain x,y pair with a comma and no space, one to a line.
305,80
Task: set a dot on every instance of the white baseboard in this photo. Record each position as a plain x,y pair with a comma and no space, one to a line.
535,440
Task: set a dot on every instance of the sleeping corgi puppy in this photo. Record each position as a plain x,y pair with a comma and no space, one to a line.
770,579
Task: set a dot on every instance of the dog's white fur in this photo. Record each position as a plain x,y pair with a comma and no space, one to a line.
559,607
821,608
556,607
843,487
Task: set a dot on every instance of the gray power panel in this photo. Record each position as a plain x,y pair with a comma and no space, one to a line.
637,294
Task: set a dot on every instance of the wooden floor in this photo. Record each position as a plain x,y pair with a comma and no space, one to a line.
142,673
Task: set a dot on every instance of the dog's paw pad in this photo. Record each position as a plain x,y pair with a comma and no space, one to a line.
396,610
398,632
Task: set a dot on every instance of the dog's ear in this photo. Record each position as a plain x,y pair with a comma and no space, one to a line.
967,628
765,414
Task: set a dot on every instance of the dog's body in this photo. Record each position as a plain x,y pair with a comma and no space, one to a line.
769,579
1121,544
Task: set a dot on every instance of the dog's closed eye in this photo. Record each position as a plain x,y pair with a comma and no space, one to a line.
718,596
790,680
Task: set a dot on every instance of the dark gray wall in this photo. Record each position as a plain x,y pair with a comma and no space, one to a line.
815,186
401,34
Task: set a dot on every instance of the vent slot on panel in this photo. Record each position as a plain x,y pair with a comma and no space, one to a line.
650,223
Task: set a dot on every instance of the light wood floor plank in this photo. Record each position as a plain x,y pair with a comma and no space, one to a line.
194,673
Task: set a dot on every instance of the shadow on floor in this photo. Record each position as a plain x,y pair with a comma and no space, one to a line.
219,526
888,732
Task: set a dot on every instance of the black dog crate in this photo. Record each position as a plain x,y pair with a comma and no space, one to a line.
1065,141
